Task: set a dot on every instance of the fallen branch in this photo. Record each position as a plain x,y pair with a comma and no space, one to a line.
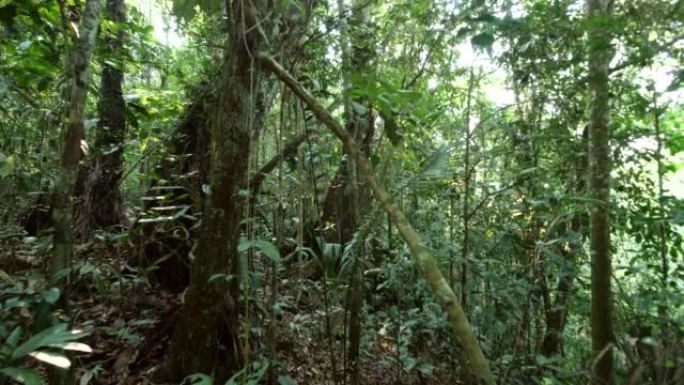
426,265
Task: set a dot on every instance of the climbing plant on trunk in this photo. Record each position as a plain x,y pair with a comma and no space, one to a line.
207,329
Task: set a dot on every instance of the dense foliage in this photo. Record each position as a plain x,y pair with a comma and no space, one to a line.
176,204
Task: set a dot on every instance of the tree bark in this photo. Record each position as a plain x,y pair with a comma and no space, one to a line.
100,198
347,192
207,331
181,175
77,76
467,172
426,265
600,53
351,195
77,72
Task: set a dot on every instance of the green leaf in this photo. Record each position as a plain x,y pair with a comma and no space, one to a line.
437,166
225,277
7,165
51,295
483,40
185,10
23,375
359,108
264,246
14,337
286,380
391,126
24,45
199,379
52,335
268,249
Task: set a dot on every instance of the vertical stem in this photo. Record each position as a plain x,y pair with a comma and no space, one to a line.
452,234
662,231
279,238
661,191
600,53
77,74
389,233
465,249
73,131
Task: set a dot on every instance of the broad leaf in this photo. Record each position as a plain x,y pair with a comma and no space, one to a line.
199,379
483,40
54,359
52,335
23,375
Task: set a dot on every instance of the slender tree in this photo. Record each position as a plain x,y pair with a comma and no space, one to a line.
600,53
351,194
347,193
73,131
77,75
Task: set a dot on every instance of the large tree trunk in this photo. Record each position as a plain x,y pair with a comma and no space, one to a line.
339,203
100,197
425,264
181,174
206,332
600,53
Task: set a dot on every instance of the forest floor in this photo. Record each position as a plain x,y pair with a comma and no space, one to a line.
130,321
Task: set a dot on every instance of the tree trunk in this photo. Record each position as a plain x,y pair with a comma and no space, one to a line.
467,172
77,75
181,175
425,264
100,198
350,194
77,72
206,333
600,53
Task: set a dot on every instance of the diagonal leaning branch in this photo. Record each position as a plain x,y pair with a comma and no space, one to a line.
425,263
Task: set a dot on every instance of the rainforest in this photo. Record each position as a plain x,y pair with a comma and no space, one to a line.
343,192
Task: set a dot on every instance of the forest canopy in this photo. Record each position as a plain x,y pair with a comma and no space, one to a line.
341,192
